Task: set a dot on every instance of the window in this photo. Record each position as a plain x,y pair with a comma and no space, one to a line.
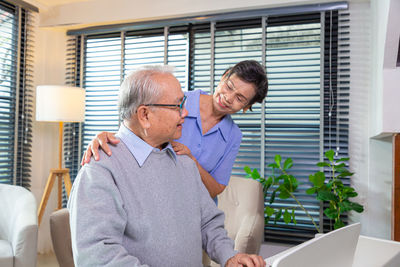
15,94
305,53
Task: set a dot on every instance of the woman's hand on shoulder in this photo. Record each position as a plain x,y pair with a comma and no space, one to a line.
181,149
101,140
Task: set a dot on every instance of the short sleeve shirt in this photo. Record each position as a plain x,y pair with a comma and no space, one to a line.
215,150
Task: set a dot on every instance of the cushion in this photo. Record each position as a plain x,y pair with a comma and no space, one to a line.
6,254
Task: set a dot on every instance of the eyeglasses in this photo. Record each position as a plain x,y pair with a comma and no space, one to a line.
238,97
180,106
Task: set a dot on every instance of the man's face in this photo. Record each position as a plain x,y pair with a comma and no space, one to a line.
166,122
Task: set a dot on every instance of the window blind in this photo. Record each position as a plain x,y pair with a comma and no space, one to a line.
16,92
304,114
292,111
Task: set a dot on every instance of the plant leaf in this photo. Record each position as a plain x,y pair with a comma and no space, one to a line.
345,206
269,211
323,164
247,169
278,159
284,194
294,217
311,191
273,165
288,164
293,182
346,173
326,196
255,174
278,215
286,217
338,224
342,159
331,213
280,177
329,155
272,199
318,179
356,207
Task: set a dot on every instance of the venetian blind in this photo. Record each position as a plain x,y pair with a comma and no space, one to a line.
304,114
16,93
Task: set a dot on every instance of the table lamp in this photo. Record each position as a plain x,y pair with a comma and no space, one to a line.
57,103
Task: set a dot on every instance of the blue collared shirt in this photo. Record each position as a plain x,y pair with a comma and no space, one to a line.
216,150
139,148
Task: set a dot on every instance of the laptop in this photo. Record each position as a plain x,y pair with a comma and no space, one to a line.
336,248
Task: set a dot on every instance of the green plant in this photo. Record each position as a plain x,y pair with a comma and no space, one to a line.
334,191
283,185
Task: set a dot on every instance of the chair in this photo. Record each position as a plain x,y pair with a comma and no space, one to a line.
242,201
18,227
61,237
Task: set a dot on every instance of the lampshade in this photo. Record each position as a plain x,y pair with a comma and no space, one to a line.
60,103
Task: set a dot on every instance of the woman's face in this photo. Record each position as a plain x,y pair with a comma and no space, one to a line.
233,94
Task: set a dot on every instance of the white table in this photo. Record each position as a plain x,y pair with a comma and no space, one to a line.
370,252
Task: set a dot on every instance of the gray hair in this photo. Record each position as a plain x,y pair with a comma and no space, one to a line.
139,88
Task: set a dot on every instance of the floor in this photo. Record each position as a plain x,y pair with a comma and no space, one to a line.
266,250
46,260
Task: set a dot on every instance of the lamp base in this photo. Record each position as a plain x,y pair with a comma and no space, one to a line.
62,174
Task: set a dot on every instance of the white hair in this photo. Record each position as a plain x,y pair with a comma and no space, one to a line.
140,88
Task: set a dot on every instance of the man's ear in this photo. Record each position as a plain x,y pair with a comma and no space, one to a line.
246,108
143,116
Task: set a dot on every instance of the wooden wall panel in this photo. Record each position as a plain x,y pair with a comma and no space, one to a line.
396,189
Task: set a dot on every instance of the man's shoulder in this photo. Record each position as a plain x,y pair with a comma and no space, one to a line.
187,163
118,151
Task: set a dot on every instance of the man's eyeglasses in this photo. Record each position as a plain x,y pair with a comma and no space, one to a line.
180,106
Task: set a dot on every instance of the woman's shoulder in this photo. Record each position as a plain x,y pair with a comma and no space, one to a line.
234,129
195,93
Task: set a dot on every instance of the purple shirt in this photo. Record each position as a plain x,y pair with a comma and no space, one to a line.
217,149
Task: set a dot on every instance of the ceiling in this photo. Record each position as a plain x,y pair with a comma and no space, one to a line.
56,2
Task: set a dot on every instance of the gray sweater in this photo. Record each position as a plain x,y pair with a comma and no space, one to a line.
159,214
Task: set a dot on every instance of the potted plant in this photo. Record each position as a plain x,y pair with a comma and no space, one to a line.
330,189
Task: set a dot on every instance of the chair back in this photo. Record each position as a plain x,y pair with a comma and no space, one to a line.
61,237
242,201
243,204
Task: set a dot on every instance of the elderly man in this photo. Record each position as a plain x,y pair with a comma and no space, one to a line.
145,205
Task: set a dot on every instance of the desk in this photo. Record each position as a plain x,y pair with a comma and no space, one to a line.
374,252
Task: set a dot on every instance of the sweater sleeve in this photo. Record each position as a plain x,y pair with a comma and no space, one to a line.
215,239
98,220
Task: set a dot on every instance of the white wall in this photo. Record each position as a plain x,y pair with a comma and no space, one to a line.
370,158
386,77
50,48
360,84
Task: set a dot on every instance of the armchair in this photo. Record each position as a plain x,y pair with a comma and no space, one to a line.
243,204
18,227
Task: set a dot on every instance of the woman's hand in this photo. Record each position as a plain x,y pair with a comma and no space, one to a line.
181,149
101,140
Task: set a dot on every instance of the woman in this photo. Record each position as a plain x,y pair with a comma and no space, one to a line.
209,135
